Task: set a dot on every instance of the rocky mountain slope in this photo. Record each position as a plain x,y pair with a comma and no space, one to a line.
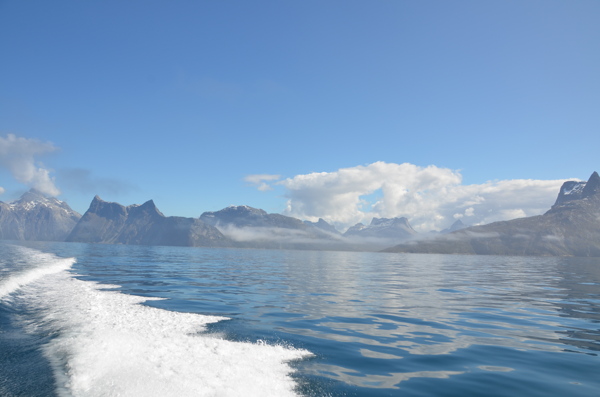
323,225
112,223
570,228
36,217
245,216
457,225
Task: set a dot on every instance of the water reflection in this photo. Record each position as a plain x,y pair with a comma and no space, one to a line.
434,305
388,381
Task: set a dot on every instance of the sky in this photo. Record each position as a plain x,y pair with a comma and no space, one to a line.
346,110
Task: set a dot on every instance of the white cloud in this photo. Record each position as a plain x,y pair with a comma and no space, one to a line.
260,181
430,197
18,156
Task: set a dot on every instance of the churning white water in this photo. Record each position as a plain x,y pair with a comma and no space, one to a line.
105,343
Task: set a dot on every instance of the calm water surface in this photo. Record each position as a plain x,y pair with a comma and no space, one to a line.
298,322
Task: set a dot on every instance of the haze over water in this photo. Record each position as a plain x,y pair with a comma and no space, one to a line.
73,321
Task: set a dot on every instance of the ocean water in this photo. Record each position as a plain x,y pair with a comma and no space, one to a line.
107,320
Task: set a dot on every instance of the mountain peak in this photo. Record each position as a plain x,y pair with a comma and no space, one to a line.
396,229
592,186
34,198
323,225
97,199
397,221
39,192
35,216
243,209
577,190
457,225
148,204
32,195
147,208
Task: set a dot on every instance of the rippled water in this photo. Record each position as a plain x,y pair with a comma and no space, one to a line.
341,323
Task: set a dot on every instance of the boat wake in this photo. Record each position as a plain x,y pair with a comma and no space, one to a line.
105,343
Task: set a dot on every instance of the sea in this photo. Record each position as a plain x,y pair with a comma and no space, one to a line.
117,320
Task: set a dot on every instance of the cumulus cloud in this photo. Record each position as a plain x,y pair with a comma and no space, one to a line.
260,181
431,197
18,156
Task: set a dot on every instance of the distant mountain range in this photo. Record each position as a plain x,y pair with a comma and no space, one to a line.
382,230
144,224
252,227
570,227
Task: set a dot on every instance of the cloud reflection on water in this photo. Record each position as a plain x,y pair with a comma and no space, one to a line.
434,305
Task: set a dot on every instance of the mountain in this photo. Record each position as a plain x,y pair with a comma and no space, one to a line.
454,227
571,190
323,225
112,223
570,228
35,216
255,228
382,231
244,216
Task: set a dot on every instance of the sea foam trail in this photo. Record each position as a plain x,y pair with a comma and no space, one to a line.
44,263
110,345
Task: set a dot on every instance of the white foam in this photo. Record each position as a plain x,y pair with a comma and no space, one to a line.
110,345
45,264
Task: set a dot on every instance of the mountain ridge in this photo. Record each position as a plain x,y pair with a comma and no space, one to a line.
571,227
382,231
255,228
113,223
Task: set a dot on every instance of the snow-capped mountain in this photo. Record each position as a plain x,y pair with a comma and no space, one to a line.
35,216
397,229
571,190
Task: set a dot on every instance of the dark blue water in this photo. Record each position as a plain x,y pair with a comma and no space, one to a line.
299,322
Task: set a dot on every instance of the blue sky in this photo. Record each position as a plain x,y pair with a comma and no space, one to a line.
185,101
